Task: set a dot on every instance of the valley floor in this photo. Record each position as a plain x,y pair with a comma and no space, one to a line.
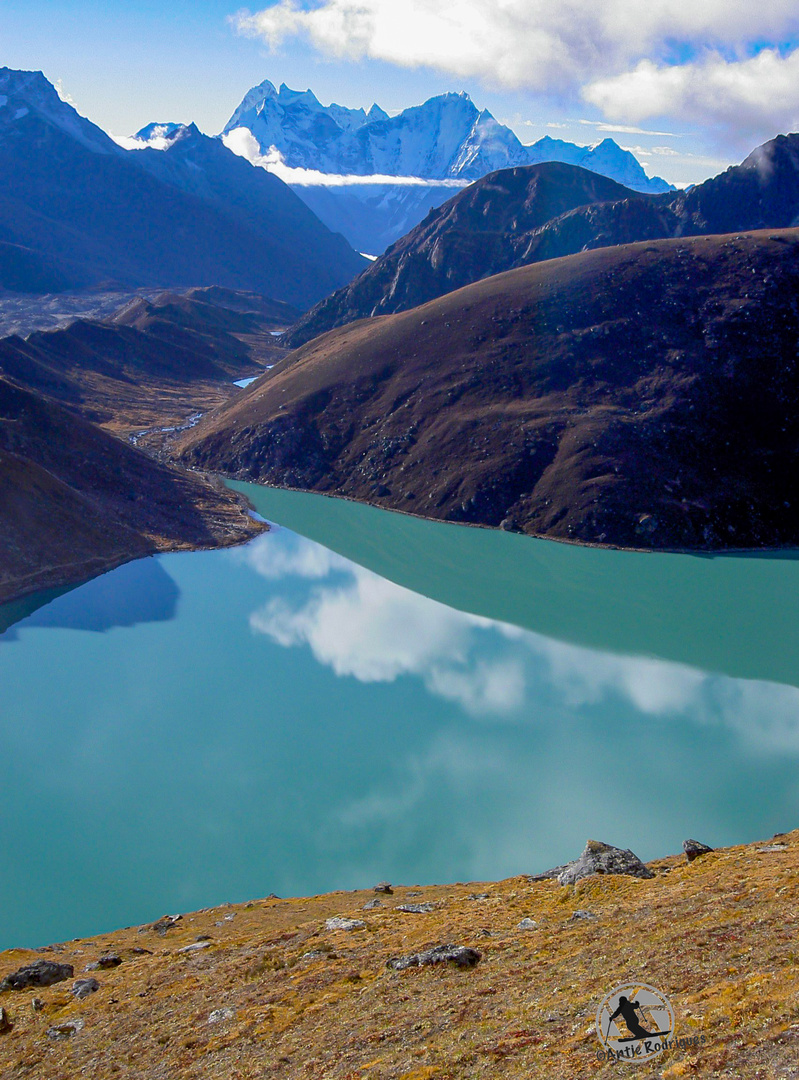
267,989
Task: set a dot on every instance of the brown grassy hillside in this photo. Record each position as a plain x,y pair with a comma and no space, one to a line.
641,396
294,999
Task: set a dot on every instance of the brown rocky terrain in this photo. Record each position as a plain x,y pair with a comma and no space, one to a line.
641,396
520,216
273,988
75,500
153,362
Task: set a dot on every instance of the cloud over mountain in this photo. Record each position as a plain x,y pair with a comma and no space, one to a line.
704,61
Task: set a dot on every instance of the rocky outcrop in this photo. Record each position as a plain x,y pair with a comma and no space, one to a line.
459,955
40,973
599,858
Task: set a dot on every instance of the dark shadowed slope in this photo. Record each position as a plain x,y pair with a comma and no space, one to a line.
487,228
75,500
482,230
78,211
641,396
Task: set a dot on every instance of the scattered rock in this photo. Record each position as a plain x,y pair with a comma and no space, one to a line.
319,954
137,950
460,955
527,924
580,914
771,847
110,960
166,922
549,875
478,896
205,937
82,988
416,909
37,1004
196,946
66,1029
5,1022
40,973
339,923
218,1016
599,858
383,887
413,892
371,904
694,848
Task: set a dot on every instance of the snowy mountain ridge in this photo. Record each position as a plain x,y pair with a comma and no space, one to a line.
446,137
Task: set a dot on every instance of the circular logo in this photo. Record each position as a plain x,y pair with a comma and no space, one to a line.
634,1022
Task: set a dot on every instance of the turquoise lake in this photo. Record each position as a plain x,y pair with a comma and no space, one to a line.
360,695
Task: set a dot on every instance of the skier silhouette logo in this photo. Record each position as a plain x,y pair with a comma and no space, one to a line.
635,1022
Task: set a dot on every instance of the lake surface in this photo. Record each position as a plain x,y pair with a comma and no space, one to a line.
360,695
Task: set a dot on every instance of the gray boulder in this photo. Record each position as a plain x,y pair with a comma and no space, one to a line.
40,973
82,988
599,858
694,848
459,955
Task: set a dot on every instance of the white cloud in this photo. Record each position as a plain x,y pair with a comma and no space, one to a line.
242,142
620,129
744,100
536,44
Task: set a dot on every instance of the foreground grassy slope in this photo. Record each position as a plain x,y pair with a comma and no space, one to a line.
642,396
717,936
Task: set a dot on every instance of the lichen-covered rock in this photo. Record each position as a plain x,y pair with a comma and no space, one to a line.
383,887
82,988
40,973
527,924
416,909
694,848
599,858
459,955
66,1029
339,923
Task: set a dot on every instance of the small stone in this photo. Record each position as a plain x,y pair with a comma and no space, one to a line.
383,887
459,955
580,914
340,923
37,1004
527,924
771,847
694,848
478,896
40,973
218,1016
66,1029
599,858
416,909
196,946
82,988
370,905
5,1022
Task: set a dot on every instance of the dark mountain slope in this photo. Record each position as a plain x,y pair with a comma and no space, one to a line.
75,500
482,230
76,210
642,396
450,248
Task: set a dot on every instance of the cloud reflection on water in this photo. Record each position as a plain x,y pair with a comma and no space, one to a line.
365,627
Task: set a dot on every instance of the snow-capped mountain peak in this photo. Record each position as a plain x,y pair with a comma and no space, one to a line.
444,138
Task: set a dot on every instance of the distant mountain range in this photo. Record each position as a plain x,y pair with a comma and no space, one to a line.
78,211
445,139
520,216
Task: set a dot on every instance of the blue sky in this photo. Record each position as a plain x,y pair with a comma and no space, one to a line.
695,85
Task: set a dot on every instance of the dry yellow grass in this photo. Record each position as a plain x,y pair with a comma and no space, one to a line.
719,936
